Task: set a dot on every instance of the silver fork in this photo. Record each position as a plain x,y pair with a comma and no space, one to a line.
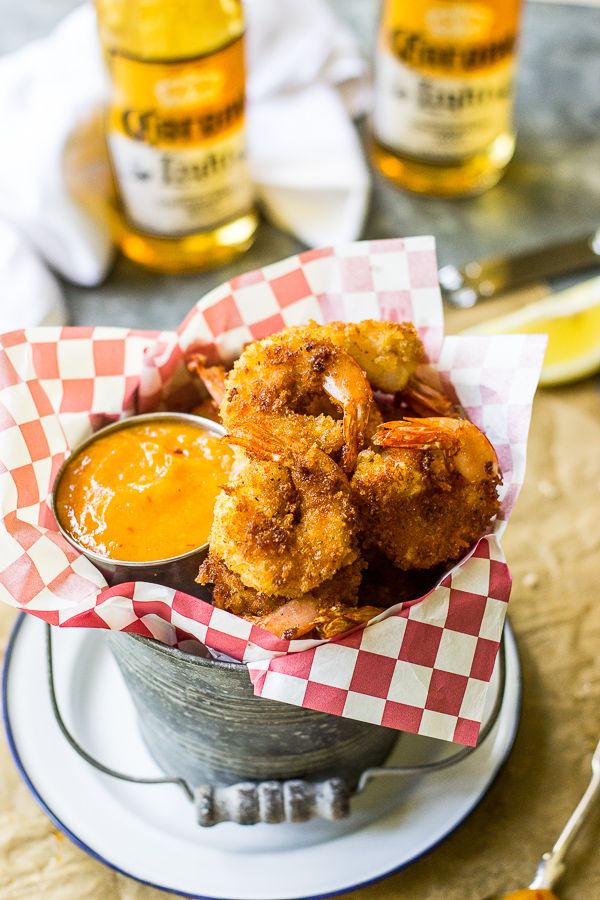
551,866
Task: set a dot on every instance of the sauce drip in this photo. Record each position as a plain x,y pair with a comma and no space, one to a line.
145,492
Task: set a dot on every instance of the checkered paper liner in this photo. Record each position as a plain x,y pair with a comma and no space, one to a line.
422,666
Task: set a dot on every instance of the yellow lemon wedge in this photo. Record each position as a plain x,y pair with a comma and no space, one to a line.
571,319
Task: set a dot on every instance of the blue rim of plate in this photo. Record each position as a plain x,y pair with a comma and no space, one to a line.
161,887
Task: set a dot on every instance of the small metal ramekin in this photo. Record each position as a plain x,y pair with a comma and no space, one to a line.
178,572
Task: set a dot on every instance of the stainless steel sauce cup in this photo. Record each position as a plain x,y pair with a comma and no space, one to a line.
178,572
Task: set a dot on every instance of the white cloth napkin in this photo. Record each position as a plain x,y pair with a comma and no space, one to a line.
305,81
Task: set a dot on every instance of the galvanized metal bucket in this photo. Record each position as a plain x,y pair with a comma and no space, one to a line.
200,720
271,736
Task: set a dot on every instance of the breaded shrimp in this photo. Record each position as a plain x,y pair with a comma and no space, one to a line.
294,386
388,352
285,618
426,490
285,522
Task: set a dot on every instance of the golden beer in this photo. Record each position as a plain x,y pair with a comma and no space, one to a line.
444,84
175,130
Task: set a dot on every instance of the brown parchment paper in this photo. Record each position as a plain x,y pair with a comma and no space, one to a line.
553,547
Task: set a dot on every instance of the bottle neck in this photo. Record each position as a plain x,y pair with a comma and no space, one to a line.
168,29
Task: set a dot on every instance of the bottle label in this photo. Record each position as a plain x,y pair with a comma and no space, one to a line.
177,143
444,79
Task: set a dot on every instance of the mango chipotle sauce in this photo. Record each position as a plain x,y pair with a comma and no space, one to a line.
145,492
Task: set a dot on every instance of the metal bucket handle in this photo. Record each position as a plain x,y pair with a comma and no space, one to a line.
272,802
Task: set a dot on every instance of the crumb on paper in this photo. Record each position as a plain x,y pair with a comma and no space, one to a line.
531,579
548,489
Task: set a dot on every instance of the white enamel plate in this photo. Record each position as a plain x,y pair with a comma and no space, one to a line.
149,832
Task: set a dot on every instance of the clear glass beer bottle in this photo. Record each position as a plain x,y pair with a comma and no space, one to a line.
175,130
444,84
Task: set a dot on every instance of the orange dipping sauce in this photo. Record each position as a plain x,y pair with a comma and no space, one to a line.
145,492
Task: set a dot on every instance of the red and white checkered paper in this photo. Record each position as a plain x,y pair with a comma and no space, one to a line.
422,666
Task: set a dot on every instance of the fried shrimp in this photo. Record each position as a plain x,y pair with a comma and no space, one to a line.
283,617
388,352
328,508
426,490
285,522
295,386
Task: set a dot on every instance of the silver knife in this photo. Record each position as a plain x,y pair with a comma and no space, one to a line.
483,279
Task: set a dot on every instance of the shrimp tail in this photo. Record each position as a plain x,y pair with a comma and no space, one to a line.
347,385
424,399
213,377
471,452
258,441
352,439
431,433
292,620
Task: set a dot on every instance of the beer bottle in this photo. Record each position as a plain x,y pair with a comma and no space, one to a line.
444,87
175,130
